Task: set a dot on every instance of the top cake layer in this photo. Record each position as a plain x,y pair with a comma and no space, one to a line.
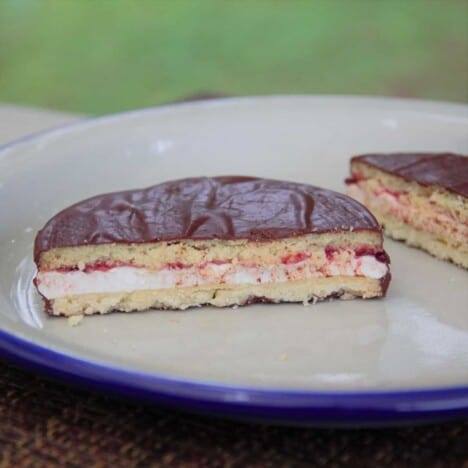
446,170
227,208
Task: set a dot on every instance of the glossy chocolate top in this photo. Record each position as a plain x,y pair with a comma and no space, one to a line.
205,208
446,170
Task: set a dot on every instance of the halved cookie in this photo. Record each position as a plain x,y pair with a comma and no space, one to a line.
420,198
220,241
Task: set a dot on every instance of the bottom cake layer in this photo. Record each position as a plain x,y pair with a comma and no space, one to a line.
225,295
426,241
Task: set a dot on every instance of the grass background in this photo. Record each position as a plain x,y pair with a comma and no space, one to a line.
101,56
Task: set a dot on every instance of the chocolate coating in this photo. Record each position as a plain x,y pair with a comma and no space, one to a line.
446,170
231,207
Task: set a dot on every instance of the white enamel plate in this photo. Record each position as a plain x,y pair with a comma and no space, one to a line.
401,358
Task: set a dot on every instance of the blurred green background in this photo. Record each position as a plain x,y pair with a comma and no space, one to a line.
101,56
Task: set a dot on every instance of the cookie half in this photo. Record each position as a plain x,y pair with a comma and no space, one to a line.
220,241
420,198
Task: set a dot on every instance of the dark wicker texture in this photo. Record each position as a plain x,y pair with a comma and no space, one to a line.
44,423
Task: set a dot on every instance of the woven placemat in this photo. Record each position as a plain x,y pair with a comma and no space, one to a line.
45,423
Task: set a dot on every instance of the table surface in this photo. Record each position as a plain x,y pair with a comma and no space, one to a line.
44,423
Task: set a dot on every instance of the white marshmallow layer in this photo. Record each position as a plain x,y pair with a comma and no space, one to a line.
55,284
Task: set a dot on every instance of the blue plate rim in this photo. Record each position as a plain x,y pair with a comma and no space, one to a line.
262,404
